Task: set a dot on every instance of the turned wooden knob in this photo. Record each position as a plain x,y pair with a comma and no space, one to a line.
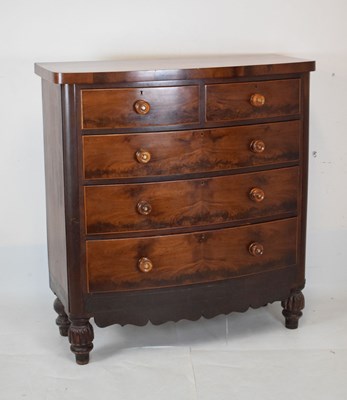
143,156
257,146
257,100
143,207
145,264
257,194
256,249
142,107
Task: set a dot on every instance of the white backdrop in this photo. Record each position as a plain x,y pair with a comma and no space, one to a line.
68,30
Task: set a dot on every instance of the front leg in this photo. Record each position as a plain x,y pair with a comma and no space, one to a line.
292,309
81,336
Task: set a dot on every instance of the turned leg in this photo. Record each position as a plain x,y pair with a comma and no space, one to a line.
292,309
81,336
62,320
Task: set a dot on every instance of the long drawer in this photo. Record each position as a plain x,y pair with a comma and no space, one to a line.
189,203
162,261
193,151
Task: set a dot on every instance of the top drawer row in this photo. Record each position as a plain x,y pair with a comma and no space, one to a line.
180,105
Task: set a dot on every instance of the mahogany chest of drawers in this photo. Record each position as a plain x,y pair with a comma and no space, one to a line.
175,189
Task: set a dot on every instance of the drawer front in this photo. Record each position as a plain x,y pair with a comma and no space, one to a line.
154,262
196,202
252,100
139,107
185,152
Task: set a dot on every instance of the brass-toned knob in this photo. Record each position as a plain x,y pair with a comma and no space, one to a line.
142,107
145,264
143,156
143,207
257,146
257,195
256,249
257,100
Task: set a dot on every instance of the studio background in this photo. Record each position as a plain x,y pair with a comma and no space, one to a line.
37,31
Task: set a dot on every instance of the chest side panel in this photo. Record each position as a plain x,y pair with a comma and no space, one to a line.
55,194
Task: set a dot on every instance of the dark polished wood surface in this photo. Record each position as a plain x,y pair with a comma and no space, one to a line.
204,67
232,101
116,108
55,196
190,258
175,189
192,151
179,302
113,208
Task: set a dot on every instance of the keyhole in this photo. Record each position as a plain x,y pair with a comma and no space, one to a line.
202,238
141,92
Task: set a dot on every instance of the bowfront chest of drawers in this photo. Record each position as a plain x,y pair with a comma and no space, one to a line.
175,189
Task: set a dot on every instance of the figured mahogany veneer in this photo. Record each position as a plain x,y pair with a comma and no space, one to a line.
206,256
189,203
175,189
233,101
188,152
117,108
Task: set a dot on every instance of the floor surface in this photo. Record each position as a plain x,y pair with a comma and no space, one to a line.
240,356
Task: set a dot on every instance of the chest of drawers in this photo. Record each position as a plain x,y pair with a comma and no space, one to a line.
175,189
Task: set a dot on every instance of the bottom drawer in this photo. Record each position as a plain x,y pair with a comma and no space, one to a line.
183,259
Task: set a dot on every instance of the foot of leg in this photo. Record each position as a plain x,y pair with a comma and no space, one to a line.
62,320
292,309
81,336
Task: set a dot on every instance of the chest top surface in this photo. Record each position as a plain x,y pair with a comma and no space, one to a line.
228,66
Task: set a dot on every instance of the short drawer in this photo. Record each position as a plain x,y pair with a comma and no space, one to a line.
154,262
139,107
252,100
188,203
186,152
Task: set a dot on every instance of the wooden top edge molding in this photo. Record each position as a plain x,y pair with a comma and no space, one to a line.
212,67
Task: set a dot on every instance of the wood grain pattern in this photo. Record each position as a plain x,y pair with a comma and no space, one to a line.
231,101
205,67
114,108
150,216
186,152
190,258
196,202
